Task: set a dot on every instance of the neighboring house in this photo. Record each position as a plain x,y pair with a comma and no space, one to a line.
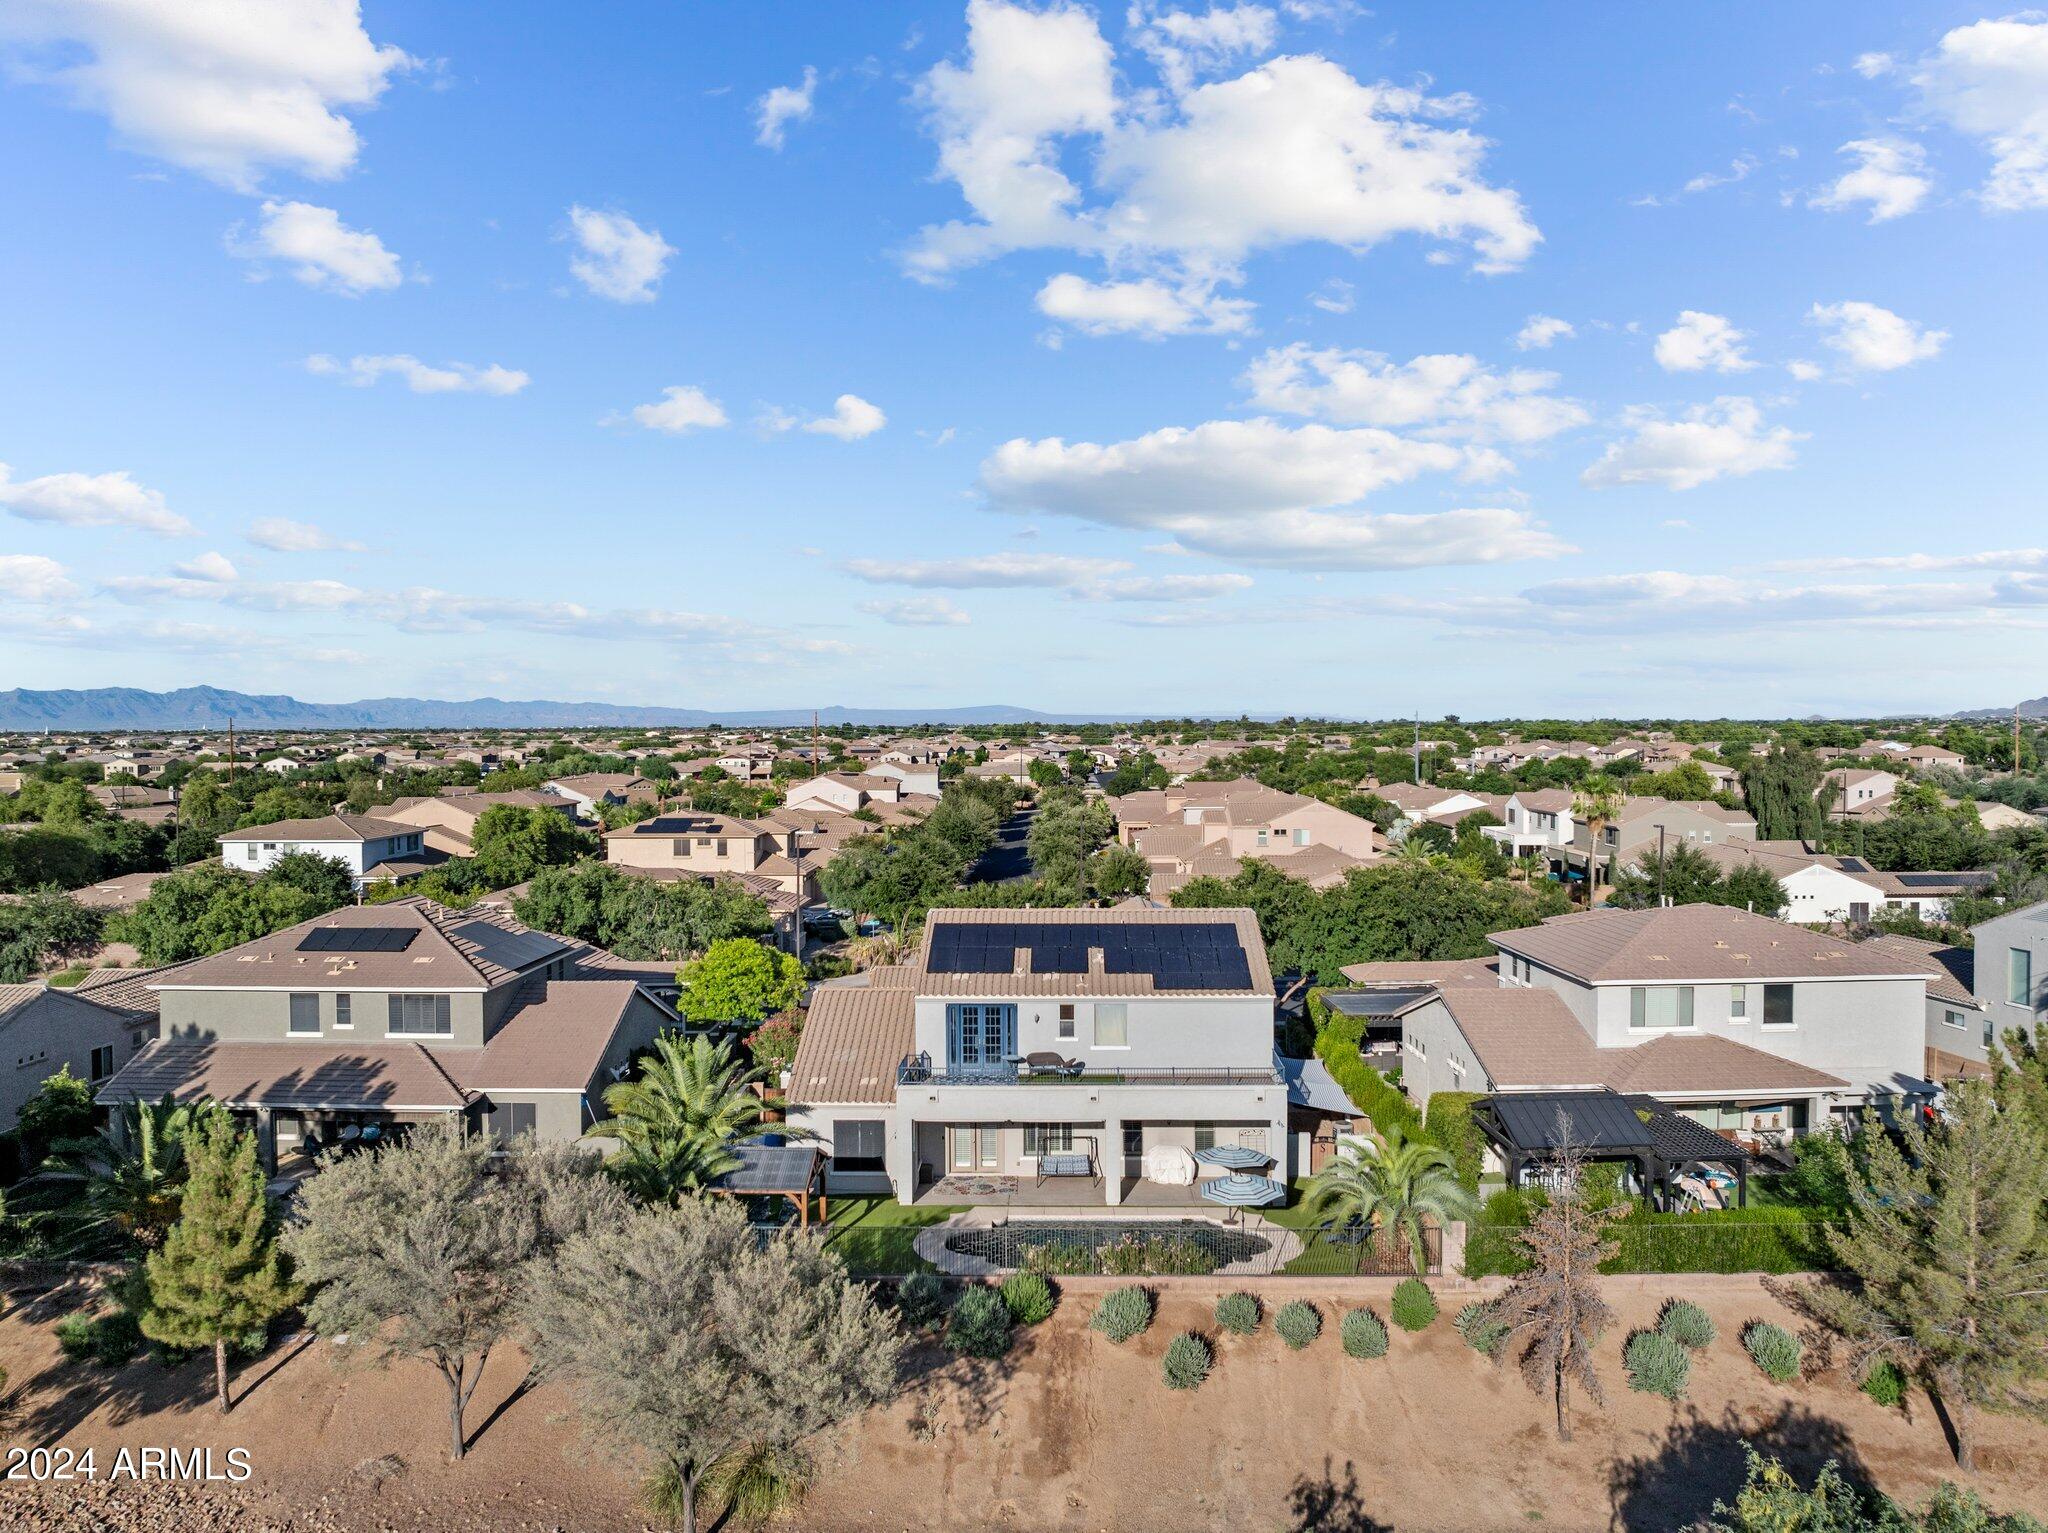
386,1016
1993,815
1745,1024
919,777
588,790
843,792
689,843
1199,829
45,1031
1014,766
1821,889
1925,756
375,850
748,766
448,821
1959,1031
1854,792
1418,802
927,1078
1636,825
2010,980
1537,822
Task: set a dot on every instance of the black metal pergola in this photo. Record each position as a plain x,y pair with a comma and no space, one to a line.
1527,1128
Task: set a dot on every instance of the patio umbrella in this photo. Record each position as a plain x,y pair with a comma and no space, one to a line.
1240,1191
1233,1156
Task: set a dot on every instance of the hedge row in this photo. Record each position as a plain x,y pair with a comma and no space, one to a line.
1449,1126
1768,1239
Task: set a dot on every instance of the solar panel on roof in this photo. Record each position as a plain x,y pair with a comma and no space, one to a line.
357,939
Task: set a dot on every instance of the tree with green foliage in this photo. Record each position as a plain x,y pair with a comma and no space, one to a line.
740,980
60,1111
677,1119
1685,875
1780,790
129,1178
43,927
1946,1241
1773,1501
1117,872
1394,1184
1044,774
208,908
687,1336
220,1276
513,842
638,917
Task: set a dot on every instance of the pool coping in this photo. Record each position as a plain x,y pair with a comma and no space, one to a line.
1283,1244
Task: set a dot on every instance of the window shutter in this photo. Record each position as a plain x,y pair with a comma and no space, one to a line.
396,1022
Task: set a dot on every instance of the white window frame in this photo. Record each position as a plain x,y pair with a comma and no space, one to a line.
1684,1005
1118,1013
1738,1003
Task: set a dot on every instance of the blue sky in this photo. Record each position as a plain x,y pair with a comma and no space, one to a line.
1437,358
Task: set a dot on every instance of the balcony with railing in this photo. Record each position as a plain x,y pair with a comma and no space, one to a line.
1054,1070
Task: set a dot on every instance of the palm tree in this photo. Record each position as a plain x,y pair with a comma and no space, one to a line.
1596,805
130,1176
1390,1184
677,1122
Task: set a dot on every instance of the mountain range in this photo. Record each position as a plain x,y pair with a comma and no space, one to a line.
2032,708
128,708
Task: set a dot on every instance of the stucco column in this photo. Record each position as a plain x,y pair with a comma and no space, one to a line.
1111,1156
902,1154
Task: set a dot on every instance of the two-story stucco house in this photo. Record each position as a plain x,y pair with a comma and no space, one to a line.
1021,1034
44,1032
375,1017
694,844
1744,1023
1537,822
374,850
2011,974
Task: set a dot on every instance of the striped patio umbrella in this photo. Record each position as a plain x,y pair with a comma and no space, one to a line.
1240,1191
1234,1157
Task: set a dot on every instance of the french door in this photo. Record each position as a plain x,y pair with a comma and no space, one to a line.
978,1148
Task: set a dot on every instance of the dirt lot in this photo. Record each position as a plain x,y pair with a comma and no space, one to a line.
1067,1433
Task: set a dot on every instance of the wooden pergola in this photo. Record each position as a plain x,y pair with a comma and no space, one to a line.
776,1171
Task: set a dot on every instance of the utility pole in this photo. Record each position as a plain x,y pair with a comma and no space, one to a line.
231,748
1660,866
1418,752
2015,739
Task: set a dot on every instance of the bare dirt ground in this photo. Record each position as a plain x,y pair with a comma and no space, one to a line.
1068,1433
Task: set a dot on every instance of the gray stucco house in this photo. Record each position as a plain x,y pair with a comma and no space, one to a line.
44,1032
2011,973
378,1016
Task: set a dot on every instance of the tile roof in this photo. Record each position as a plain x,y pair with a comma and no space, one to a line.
1951,971
934,983
693,822
854,1037
328,827
1690,942
393,1077
1464,973
556,1037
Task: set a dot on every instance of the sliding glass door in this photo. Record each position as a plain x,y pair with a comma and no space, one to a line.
978,1148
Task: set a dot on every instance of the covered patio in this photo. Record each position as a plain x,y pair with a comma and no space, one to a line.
1671,1154
789,1171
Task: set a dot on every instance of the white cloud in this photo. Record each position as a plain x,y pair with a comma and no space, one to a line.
209,566
1261,492
452,378
33,578
1448,396
1804,371
1702,341
851,419
1993,559
987,571
286,536
1727,438
1890,177
619,260
1166,588
222,87
1149,308
681,408
1739,169
1990,80
1334,297
778,108
91,500
918,612
1541,330
319,249
1872,65
1183,45
1870,339
1295,150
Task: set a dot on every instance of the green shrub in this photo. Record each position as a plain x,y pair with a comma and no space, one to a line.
1687,1324
1414,1306
920,1299
1482,1332
1450,1126
1773,1349
74,1335
1122,1314
980,1324
1363,1334
1029,1296
1238,1313
1298,1322
1657,1365
1186,1362
1885,1382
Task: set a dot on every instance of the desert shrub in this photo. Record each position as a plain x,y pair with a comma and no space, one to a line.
1773,1349
1298,1322
1687,1324
1482,1332
1029,1297
1122,1314
74,1335
1186,1362
920,1299
1238,1313
1363,1334
1885,1382
1657,1365
1414,1306
980,1324
109,1339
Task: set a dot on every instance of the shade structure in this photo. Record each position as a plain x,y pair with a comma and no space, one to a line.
1234,1157
1241,1191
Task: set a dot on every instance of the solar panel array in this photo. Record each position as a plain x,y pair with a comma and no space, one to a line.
1855,865
358,939
1204,955
1941,880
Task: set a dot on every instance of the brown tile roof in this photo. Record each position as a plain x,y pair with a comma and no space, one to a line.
693,822
1463,973
1549,800
392,1077
1689,942
1951,971
556,1037
1092,984
123,989
328,827
855,1035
